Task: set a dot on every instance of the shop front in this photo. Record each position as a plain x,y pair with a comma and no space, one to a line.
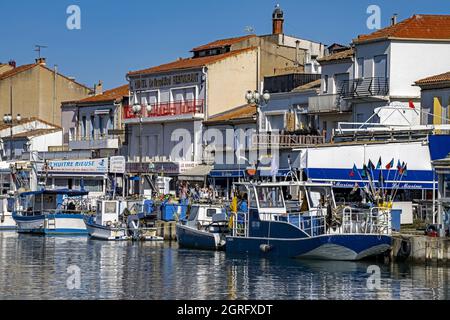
90,175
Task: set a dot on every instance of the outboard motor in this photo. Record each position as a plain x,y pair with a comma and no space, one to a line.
133,227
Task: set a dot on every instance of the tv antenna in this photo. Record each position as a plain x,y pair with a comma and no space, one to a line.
39,49
249,29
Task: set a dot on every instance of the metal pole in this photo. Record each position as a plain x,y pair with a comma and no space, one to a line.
11,122
140,153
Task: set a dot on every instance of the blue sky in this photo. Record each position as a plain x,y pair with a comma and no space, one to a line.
118,36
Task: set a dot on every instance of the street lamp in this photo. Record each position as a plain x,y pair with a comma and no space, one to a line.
137,109
260,99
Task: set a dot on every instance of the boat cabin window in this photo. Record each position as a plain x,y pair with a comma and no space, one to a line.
193,213
270,197
110,207
210,212
319,196
45,202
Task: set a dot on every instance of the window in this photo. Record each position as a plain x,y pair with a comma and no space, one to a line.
342,82
380,66
325,84
360,71
270,197
193,213
92,127
84,127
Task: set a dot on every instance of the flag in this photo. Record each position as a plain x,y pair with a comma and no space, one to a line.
364,172
399,166
390,165
371,165
353,171
379,164
411,104
405,170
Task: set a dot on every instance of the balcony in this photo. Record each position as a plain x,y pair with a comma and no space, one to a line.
365,87
94,142
167,111
327,103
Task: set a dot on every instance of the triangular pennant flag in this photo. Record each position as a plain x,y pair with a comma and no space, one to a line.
371,165
379,164
390,165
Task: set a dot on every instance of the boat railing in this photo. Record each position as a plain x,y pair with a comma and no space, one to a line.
312,223
31,213
375,220
240,224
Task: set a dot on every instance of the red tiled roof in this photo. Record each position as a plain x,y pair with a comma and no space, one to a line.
419,26
244,112
443,77
223,43
115,94
189,63
341,55
17,70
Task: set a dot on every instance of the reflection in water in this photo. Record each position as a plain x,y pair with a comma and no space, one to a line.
36,268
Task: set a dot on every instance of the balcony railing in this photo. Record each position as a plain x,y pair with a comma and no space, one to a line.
98,141
365,87
168,109
327,103
286,141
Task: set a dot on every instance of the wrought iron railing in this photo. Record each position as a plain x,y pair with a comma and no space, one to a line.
364,87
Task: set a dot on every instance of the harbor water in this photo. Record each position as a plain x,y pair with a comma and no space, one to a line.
34,267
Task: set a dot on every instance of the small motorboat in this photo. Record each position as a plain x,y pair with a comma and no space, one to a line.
113,221
51,212
6,220
205,228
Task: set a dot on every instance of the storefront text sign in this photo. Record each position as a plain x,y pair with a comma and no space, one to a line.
92,165
117,164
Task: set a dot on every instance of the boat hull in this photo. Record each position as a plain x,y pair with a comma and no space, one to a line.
55,224
191,238
345,247
100,232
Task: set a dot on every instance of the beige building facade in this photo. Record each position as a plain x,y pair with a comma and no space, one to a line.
37,91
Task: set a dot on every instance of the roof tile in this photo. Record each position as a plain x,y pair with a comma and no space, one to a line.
189,63
223,43
419,26
443,77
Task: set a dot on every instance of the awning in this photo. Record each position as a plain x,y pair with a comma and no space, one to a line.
198,173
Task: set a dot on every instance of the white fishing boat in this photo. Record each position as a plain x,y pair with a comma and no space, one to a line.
114,222
51,212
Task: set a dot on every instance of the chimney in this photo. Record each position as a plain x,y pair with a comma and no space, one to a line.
98,88
394,19
41,61
297,52
12,63
277,20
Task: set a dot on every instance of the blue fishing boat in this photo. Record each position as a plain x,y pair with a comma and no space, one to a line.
205,228
51,212
301,220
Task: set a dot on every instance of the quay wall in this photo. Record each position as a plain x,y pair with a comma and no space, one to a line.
420,249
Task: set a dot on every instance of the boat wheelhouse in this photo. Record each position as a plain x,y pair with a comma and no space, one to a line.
301,220
6,220
205,228
51,212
